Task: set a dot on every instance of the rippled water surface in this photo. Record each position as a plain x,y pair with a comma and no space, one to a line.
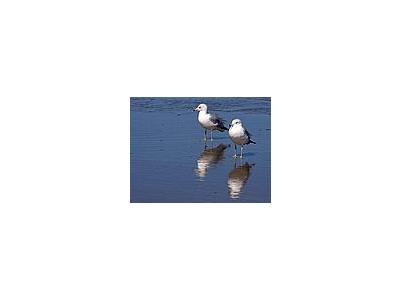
171,163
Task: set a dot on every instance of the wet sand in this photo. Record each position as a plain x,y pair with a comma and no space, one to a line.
171,163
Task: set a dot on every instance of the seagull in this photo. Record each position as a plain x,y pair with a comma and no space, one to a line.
209,121
239,135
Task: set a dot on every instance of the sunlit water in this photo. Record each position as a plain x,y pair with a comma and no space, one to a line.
171,163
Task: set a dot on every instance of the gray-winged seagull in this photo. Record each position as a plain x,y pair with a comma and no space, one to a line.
239,135
209,121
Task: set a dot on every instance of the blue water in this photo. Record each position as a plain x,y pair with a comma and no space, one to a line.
171,163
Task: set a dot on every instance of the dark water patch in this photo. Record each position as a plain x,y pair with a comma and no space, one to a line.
186,105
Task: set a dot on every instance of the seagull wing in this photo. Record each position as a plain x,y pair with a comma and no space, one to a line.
218,121
247,133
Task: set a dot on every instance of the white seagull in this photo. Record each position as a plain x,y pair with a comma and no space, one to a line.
239,135
209,121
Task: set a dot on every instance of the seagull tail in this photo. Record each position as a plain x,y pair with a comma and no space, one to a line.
222,128
251,142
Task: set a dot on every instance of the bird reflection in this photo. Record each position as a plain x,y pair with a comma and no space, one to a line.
237,178
209,157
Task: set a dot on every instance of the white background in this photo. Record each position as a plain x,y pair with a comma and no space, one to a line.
67,71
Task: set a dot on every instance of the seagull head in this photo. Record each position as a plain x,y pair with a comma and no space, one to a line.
235,122
201,107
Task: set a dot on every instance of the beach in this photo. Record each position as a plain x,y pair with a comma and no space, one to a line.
170,162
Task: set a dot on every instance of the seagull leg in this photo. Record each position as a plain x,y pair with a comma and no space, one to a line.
205,134
241,151
211,135
235,152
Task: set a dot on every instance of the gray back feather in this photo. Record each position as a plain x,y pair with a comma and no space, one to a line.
216,119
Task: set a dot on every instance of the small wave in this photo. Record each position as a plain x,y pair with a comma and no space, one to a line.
229,104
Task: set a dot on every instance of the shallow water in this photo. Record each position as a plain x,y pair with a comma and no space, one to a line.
171,163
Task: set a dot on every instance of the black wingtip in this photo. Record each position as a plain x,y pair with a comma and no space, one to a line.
252,142
222,129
